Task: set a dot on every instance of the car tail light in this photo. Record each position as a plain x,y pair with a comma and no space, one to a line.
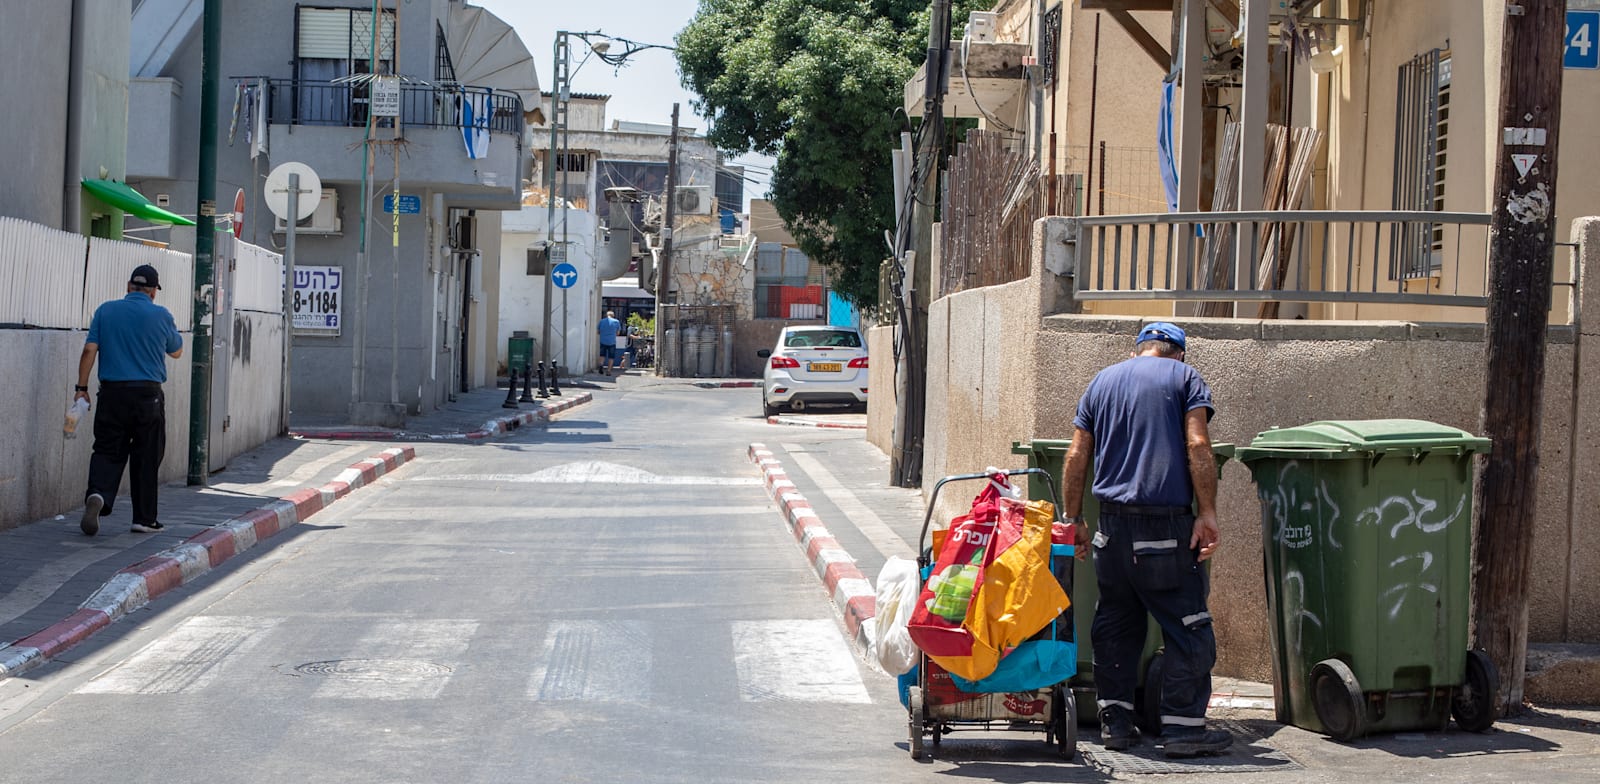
784,362
858,362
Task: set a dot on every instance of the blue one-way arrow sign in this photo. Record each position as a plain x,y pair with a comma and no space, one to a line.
565,275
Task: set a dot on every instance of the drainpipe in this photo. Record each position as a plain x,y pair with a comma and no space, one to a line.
72,171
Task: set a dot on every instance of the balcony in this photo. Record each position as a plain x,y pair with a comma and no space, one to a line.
1249,263
322,124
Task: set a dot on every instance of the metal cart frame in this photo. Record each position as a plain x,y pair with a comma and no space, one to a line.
986,711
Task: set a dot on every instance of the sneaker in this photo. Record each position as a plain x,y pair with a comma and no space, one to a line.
1195,742
1117,731
90,524
152,527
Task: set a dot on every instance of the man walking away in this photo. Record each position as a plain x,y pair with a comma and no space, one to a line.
609,327
1144,421
129,336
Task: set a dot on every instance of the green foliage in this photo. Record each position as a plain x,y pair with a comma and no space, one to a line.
646,326
819,84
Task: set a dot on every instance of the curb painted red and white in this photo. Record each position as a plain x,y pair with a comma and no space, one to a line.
798,422
852,592
135,586
727,384
494,427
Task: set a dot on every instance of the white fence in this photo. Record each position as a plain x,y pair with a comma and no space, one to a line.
58,278
257,279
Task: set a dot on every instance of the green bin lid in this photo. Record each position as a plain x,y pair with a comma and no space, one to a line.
1361,438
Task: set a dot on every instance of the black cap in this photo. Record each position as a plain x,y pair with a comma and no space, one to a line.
145,275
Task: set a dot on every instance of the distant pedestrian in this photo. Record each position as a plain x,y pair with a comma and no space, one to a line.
1144,421
630,354
129,336
610,327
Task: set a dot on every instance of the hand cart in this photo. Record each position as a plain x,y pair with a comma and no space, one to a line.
937,707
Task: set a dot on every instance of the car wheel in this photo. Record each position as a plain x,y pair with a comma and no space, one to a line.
767,409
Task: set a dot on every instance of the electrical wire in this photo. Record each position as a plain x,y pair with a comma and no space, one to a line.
966,47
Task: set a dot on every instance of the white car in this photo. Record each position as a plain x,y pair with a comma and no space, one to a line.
815,365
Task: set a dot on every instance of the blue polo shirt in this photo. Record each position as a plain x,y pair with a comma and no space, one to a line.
609,327
1135,410
134,335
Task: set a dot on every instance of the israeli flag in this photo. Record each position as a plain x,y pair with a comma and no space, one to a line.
476,110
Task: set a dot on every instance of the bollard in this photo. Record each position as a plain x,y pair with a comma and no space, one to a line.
511,391
527,384
555,373
542,391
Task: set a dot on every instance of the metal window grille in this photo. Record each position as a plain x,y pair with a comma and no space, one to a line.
443,69
1050,45
1422,118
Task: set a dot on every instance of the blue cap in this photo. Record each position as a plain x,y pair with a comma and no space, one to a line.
1163,330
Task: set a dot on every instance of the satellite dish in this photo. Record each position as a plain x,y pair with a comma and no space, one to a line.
277,190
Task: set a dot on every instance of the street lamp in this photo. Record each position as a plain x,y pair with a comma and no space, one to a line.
599,46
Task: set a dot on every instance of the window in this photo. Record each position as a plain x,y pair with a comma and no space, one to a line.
331,44
572,162
1421,144
829,338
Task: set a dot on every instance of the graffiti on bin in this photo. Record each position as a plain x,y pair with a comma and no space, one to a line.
1294,518
1294,594
1400,591
1398,513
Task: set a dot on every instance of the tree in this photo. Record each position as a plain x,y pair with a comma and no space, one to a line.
819,84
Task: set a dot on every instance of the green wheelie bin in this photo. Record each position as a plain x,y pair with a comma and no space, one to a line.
1051,455
1366,528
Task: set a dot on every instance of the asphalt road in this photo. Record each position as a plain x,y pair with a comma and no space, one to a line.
611,600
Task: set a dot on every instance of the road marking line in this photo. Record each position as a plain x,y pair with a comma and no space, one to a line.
795,661
593,661
441,642
185,659
883,539
593,472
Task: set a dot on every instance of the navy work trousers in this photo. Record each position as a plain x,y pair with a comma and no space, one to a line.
1143,564
130,429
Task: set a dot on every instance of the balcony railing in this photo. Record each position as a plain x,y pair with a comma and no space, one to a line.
296,102
1423,258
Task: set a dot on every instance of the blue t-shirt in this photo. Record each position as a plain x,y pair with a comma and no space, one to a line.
134,335
609,327
1135,410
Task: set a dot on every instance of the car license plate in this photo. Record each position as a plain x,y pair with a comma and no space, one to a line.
824,367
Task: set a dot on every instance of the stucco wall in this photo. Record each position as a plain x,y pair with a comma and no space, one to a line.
43,473
880,380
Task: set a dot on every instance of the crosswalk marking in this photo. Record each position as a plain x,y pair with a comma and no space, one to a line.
187,658
593,661
436,642
795,661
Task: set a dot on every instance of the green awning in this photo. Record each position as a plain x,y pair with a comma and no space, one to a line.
128,200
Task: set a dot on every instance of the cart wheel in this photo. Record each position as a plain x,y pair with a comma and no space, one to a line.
1473,705
1064,718
915,722
1149,715
1338,700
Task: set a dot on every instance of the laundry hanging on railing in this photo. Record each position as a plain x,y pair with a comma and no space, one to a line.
250,111
474,110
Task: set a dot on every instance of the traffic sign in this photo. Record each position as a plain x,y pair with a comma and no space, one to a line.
1582,48
565,275
410,204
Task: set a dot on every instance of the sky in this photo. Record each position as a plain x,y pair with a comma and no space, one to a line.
642,91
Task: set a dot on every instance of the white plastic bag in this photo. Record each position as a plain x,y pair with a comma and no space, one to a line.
898,588
74,415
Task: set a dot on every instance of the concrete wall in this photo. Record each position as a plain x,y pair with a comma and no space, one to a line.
880,380
255,383
33,162
41,472
521,296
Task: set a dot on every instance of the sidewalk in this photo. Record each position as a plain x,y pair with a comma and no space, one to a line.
59,587
830,490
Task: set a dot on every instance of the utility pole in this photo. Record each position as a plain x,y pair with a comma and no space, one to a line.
204,247
905,459
561,75
664,274
1521,257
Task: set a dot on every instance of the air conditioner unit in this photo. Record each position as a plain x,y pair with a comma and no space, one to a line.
324,221
694,200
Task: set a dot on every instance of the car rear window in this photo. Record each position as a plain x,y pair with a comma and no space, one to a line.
832,338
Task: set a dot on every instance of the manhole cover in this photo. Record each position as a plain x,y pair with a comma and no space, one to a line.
1250,754
386,670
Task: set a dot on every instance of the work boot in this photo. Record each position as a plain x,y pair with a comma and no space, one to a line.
1117,731
1195,741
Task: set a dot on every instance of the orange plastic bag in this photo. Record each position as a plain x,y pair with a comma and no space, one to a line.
1020,594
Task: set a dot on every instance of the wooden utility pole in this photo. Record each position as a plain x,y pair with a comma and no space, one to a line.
668,366
1521,256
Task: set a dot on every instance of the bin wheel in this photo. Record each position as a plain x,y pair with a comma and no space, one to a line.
914,723
1338,700
1473,705
1149,714
1064,722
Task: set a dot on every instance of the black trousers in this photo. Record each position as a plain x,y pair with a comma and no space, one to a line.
130,429
1143,564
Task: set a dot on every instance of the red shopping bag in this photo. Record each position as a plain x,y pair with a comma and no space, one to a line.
938,624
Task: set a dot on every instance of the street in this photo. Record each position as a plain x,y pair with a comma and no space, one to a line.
612,599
